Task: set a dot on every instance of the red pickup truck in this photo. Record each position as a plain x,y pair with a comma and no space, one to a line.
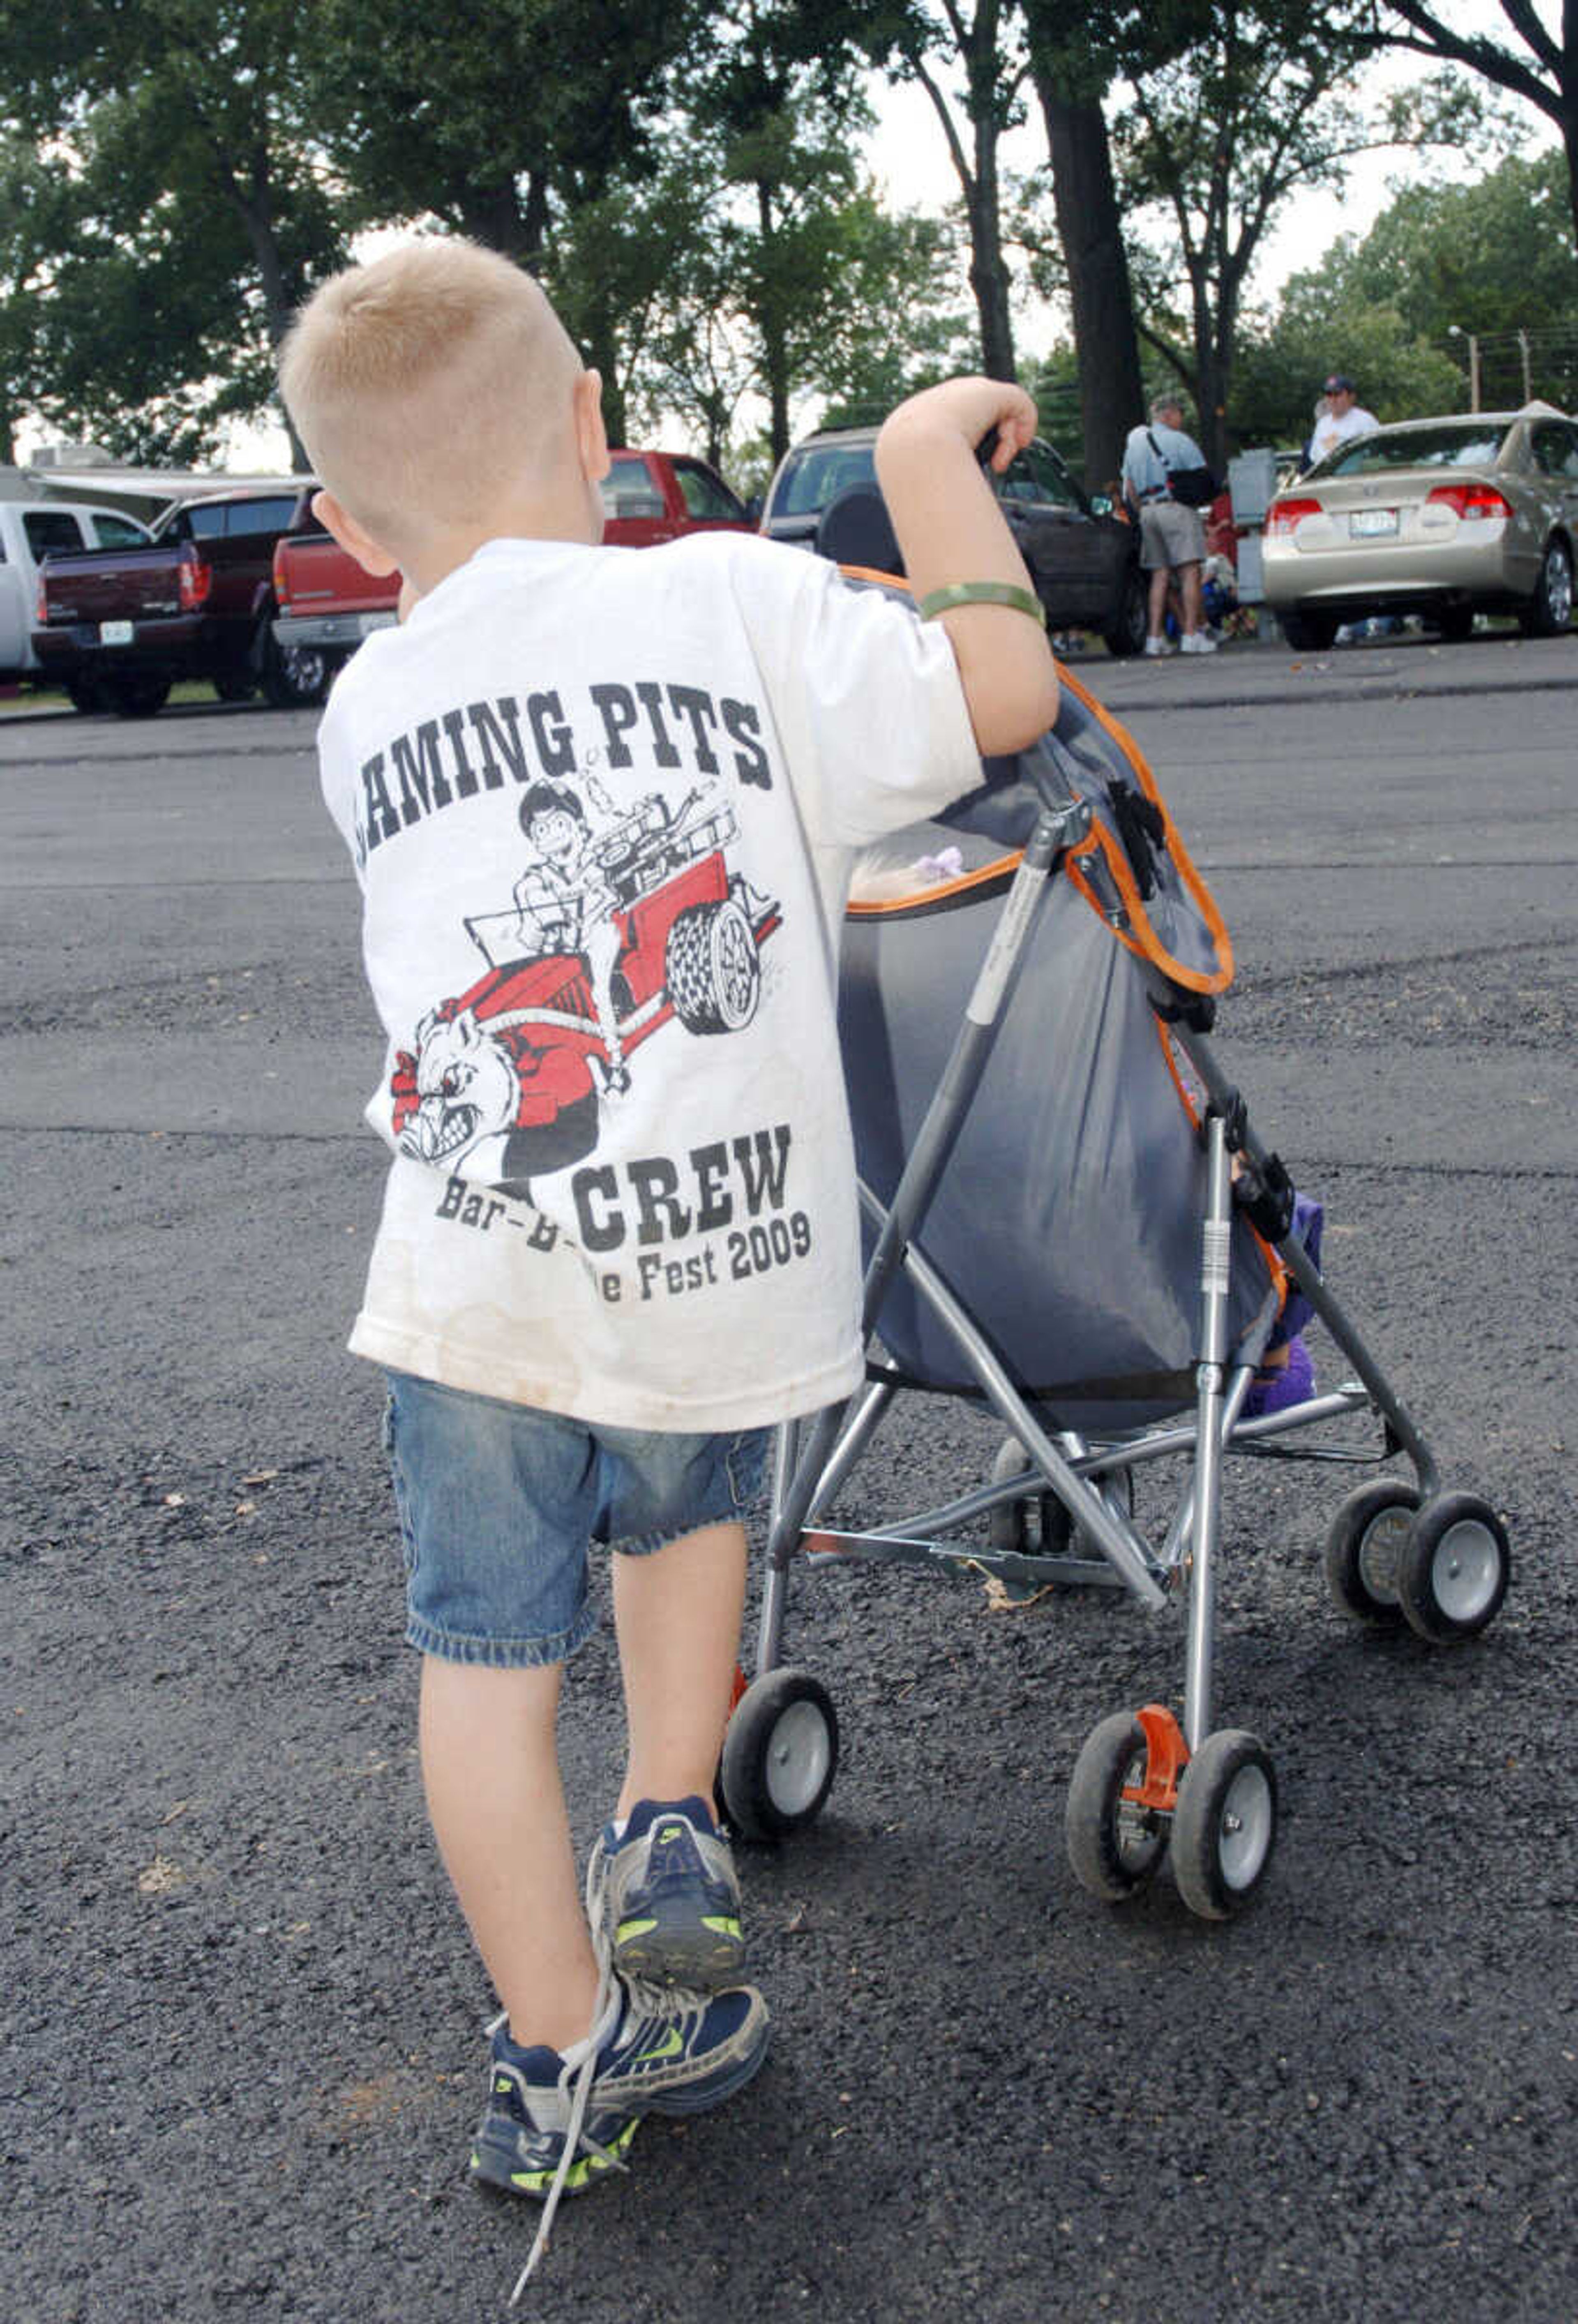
117,627
328,602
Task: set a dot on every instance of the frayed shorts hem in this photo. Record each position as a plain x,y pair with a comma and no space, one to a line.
502,1653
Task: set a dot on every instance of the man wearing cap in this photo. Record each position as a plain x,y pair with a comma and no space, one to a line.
1344,416
1172,538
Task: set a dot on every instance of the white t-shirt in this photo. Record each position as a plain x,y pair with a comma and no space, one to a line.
1330,432
623,1184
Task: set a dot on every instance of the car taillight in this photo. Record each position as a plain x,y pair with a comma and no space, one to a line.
196,579
1285,515
281,594
1476,502
41,612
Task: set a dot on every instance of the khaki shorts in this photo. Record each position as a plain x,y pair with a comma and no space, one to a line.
1170,534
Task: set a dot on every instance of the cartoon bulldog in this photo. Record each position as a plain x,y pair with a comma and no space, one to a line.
494,1091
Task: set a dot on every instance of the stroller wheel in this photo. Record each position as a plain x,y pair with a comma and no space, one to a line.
1454,1569
1225,1825
1007,1526
780,1755
1115,1844
1365,1549
1061,1537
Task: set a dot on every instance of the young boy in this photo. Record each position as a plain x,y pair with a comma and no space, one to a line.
607,1264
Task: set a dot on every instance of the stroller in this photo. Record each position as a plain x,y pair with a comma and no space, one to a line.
1069,1217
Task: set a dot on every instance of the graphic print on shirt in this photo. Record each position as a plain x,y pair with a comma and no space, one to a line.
616,928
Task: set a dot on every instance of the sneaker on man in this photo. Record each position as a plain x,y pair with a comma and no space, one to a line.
664,1896
1156,647
652,2052
1197,641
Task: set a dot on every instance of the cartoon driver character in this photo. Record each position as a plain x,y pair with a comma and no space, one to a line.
565,905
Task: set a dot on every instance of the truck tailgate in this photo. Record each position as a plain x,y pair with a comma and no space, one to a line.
127,586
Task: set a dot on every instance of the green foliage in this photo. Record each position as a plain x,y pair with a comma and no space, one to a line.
192,214
1493,258
490,126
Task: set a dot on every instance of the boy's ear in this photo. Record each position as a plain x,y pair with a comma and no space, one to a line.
591,436
351,536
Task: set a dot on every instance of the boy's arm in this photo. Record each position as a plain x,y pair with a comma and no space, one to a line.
951,528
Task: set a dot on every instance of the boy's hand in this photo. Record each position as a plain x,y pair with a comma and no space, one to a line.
992,412
951,528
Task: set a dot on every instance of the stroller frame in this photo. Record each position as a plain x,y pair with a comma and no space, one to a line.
1145,1783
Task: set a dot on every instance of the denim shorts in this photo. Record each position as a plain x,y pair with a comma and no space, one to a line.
499,1504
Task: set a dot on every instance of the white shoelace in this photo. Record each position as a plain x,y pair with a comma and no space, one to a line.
585,2074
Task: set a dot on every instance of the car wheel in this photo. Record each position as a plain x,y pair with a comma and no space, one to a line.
1128,634
1308,632
136,698
86,694
235,685
294,679
1549,612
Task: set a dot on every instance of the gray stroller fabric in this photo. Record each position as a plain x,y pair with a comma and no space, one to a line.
1069,1219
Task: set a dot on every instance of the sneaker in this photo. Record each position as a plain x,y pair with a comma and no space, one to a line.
1197,641
1156,647
1283,1385
664,1899
555,2125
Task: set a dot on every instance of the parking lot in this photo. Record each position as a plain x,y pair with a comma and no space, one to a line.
245,2051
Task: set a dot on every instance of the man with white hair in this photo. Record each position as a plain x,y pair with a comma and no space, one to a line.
1172,536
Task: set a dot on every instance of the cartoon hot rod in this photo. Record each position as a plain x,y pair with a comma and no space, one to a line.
510,1074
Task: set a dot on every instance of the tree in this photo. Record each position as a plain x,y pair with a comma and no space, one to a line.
1440,261
776,100
1539,66
492,127
37,221
1213,141
1323,318
986,46
201,214
1073,60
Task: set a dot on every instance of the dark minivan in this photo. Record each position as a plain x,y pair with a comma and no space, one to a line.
1084,561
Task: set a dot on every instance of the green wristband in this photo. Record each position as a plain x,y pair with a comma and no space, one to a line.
981,592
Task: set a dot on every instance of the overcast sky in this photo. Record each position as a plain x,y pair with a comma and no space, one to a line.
910,160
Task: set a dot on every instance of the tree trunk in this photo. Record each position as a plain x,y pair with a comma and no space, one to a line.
976,172
773,338
988,272
1111,394
253,200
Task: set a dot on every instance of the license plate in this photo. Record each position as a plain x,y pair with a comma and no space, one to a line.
116,634
1366,524
371,622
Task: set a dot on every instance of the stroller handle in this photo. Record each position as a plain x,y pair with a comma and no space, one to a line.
1047,765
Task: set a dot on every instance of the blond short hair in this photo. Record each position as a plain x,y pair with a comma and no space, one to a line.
426,383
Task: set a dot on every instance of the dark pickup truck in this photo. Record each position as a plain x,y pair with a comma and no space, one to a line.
117,628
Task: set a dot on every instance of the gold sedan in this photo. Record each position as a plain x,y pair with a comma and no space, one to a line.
1442,518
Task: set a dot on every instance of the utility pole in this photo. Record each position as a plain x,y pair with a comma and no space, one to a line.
1456,331
1527,383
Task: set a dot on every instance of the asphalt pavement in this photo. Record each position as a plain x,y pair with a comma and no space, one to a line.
243,2022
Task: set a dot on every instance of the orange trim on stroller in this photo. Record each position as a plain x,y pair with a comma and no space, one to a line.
1143,940
1140,938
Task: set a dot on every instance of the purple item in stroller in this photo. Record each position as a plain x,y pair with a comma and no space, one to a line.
1069,1219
